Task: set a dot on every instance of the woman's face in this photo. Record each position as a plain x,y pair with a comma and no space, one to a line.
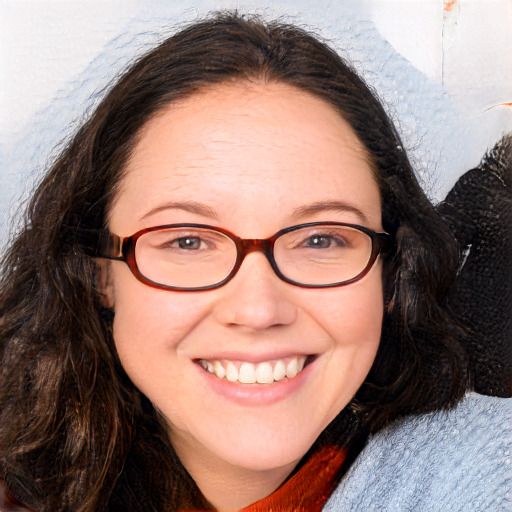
253,159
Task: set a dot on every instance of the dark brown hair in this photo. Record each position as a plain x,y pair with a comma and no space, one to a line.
75,434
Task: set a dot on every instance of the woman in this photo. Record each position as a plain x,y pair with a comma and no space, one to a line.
228,279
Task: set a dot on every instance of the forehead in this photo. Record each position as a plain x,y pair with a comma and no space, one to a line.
234,145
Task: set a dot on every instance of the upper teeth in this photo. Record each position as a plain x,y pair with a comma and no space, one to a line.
249,373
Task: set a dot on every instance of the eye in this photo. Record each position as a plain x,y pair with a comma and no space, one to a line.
179,241
323,241
190,243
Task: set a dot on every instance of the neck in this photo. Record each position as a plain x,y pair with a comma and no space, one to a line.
238,488
308,489
227,487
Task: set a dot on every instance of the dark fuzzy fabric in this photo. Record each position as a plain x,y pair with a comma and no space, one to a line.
479,212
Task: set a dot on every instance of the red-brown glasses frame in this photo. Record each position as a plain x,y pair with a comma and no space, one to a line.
104,244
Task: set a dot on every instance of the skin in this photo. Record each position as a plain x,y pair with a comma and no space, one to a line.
253,157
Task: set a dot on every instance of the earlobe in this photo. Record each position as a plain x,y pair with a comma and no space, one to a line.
104,283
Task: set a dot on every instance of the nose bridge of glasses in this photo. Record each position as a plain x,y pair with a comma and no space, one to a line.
265,246
256,245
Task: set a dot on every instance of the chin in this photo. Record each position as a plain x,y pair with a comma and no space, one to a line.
263,448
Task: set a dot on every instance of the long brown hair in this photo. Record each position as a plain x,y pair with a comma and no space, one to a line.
75,434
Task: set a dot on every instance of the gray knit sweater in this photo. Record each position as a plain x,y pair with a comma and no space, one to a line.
459,460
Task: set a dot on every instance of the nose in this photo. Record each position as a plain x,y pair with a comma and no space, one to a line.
256,299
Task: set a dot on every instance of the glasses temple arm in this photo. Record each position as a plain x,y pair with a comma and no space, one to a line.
386,242
100,243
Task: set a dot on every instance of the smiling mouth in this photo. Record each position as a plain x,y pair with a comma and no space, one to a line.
266,372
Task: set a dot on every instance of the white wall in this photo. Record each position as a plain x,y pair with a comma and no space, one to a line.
443,68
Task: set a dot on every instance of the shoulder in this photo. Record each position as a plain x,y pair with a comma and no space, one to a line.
449,460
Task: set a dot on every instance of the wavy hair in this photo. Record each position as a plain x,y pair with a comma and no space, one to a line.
75,433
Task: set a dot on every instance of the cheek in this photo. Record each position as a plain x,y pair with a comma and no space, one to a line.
354,324
150,323
353,315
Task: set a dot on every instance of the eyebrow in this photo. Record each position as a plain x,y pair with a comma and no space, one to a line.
187,206
300,212
324,206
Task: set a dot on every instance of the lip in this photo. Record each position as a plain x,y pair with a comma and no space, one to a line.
256,394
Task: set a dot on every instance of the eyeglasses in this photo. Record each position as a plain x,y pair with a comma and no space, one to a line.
194,257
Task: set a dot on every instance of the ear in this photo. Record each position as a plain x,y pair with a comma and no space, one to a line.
103,281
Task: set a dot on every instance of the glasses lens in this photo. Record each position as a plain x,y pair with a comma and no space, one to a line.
185,257
322,254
